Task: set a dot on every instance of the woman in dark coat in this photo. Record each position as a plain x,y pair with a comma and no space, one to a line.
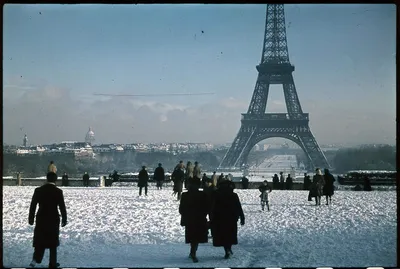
47,229
178,176
317,186
143,179
328,188
194,209
225,213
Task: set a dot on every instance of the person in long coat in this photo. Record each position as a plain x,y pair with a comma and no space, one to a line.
143,180
194,209
159,176
328,188
317,186
64,181
196,170
188,173
47,228
178,177
225,213
85,179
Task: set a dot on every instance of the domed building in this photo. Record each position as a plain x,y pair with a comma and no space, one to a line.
89,136
25,141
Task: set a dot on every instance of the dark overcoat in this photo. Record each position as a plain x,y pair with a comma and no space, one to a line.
178,177
225,213
143,178
328,188
64,180
47,229
317,185
159,174
194,209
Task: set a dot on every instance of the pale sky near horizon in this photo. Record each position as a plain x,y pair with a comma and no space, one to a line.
55,57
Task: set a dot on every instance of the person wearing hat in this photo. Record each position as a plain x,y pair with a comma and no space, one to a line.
264,194
224,215
47,228
194,209
143,180
159,176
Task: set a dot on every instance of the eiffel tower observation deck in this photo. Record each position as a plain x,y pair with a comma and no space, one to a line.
256,125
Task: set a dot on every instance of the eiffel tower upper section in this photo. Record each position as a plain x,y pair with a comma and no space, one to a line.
275,50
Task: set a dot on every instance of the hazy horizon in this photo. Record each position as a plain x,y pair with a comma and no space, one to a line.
57,56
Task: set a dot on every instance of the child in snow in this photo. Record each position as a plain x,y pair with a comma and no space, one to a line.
264,194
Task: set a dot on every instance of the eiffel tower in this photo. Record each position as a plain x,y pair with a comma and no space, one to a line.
256,125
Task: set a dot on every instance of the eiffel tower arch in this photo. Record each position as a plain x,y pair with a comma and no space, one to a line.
256,125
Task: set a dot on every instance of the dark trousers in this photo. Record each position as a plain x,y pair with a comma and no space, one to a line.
39,253
86,183
145,190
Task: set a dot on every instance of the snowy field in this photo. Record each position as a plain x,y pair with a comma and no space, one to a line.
114,227
277,163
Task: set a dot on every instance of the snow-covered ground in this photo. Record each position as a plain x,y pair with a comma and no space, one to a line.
277,163
114,227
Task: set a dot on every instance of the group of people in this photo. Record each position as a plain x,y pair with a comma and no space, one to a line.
279,183
223,208
322,185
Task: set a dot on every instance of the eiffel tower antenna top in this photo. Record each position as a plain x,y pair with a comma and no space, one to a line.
275,48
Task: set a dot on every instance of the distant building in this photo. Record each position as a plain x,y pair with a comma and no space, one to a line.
89,136
25,141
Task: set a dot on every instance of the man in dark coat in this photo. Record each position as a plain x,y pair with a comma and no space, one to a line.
289,182
225,213
178,177
204,181
328,188
143,180
367,184
159,176
245,183
85,179
64,180
275,182
307,182
47,229
194,209
317,186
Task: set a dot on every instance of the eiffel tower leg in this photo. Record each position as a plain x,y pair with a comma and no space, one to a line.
234,156
312,150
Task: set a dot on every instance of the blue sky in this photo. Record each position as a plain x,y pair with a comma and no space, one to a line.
344,55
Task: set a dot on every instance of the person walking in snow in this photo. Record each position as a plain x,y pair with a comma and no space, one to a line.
143,180
47,228
85,179
64,181
214,179
188,173
282,181
225,213
196,170
159,176
317,186
264,188
194,209
328,188
289,182
178,177
275,182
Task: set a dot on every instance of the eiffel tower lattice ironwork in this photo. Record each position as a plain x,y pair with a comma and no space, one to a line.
256,125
